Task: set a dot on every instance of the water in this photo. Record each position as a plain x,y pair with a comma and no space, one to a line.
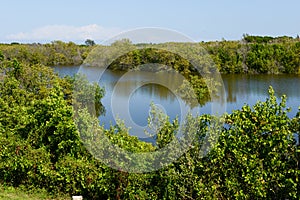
66,70
248,89
129,98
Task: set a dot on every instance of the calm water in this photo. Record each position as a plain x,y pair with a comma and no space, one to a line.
131,100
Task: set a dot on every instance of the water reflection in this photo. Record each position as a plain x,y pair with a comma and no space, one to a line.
249,89
131,82
136,91
240,89
257,85
152,93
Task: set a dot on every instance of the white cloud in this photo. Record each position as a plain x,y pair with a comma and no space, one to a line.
65,33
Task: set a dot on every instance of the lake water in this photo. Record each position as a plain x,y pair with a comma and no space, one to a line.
133,97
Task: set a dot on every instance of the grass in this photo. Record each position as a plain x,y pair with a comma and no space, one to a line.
11,193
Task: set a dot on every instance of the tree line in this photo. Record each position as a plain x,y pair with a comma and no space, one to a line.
52,54
252,54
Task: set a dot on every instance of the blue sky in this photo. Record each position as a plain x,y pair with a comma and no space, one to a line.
77,20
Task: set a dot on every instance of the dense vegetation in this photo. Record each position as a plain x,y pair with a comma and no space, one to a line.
256,155
56,53
253,54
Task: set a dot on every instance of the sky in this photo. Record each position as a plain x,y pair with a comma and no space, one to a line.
44,21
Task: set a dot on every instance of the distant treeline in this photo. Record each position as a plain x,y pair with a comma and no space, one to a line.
252,54
54,54
257,54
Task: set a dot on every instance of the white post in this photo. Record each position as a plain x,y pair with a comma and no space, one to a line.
77,197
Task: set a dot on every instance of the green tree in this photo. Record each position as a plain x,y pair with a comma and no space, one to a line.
90,42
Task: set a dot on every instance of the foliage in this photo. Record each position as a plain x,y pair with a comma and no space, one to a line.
56,53
90,42
36,127
264,39
11,193
253,54
255,153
